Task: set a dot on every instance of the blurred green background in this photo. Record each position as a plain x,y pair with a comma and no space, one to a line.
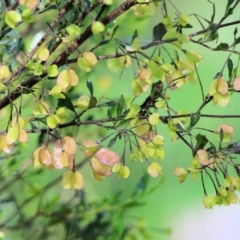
174,211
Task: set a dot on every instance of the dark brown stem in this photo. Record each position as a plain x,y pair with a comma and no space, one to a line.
52,25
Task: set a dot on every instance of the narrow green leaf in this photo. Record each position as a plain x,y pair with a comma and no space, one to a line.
228,5
188,26
201,141
235,71
200,20
213,14
133,204
194,119
7,199
87,4
228,12
114,31
159,31
27,91
90,86
165,8
142,184
212,36
222,46
35,128
112,141
109,113
66,103
107,104
236,41
135,35
93,102
121,117
235,32
230,67
221,133
121,105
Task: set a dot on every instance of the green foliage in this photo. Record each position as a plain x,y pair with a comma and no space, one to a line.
45,104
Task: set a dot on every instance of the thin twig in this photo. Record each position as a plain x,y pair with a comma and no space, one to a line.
200,82
227,15
185,141
214,49
171,40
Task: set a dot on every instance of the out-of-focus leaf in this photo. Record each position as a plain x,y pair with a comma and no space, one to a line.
35,128
213,14
109,113
142,184
112,141
90,86
122,117
114,31
162,180
222,46
212,148
135,35
158,31
188,26
93,102
194,119
121,105
133,204
229,12
27,91
235,32
236,41
107,104
66,103
201,142
230,67
213,35
235,71
229,3
221,134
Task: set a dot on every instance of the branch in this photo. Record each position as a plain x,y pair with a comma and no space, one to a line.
154,43
99,122
185,141
213,49
61,60
49,29
227,15
13,7
77,22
